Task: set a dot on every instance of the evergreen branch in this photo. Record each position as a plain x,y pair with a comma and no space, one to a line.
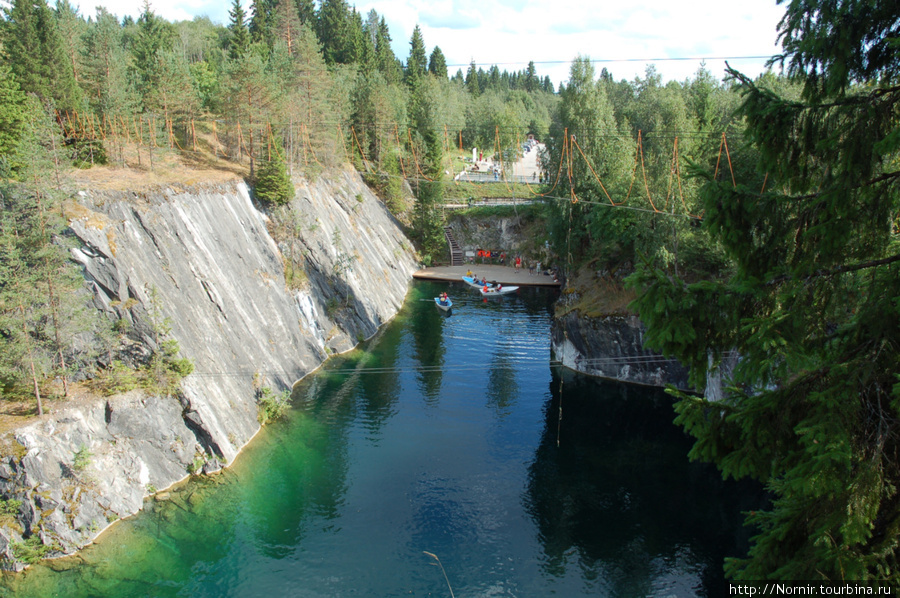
886,177
838,270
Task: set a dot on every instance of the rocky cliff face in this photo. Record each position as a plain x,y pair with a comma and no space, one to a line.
613,347
202,258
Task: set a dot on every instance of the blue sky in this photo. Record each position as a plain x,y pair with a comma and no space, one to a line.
553,32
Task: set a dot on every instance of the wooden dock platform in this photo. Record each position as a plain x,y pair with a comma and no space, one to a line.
503,274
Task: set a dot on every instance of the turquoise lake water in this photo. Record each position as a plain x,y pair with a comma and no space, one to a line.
432,461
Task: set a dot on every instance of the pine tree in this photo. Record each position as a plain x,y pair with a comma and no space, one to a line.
286,24
108,84
814,409
309,88
174,95
71,30
40,312
21,309
250,97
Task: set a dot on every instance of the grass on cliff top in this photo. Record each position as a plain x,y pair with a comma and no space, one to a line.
593,296
129,166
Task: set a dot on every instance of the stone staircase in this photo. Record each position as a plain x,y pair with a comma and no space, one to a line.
456,253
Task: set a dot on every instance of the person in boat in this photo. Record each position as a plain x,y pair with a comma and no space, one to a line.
499,287
484,281
444,299
469,274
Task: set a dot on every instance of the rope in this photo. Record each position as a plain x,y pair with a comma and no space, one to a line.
172,138
728,155
596,176
644,172
567,151
724,145
518,144
680,190
312,150
399,150
361,152
412,149
343,142
125,126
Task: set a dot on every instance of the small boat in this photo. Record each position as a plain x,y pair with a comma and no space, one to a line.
475,284
497,291
443,305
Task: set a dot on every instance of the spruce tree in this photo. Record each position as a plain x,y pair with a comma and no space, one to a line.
814,406
337,32
12,120
238,41
417,64
472,83
273,186
154,36
306,10
37,55
437,64
261,22
385,60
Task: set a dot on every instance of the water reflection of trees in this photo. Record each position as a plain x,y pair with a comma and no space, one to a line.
308,463
502,389
618,497
426,327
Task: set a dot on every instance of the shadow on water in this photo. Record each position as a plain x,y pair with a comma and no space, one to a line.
618,499
438,434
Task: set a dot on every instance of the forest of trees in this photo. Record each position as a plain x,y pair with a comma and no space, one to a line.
760,216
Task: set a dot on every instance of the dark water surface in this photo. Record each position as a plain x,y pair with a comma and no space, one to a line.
440,437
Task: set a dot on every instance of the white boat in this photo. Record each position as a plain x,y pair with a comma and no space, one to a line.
444,305
497,291
475,283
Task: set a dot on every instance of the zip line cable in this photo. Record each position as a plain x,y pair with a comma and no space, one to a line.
614,60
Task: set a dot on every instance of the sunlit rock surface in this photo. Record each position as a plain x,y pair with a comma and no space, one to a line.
203,261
